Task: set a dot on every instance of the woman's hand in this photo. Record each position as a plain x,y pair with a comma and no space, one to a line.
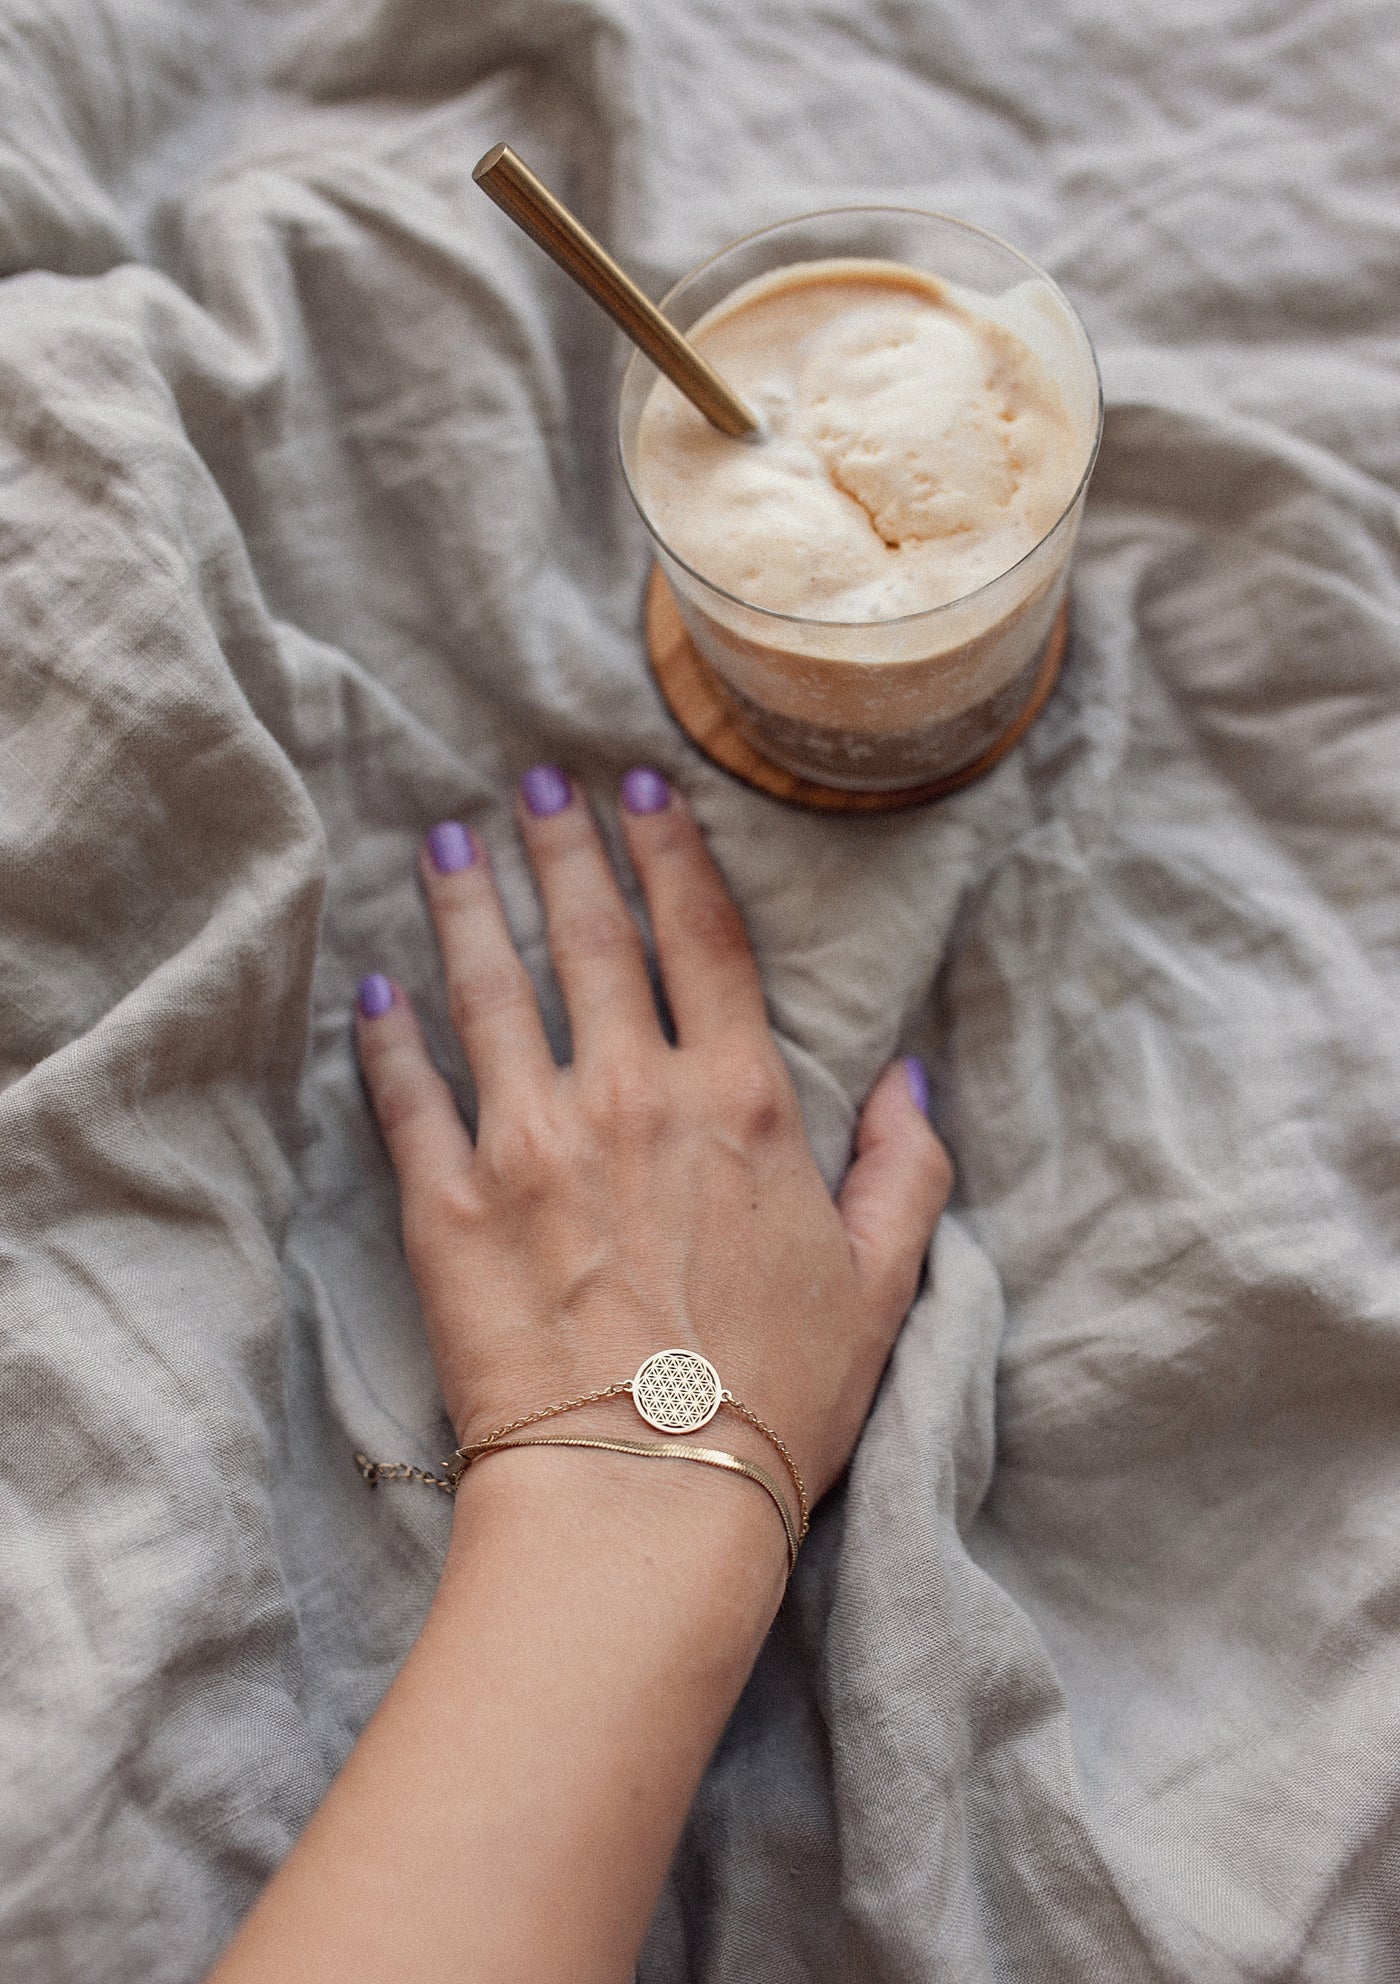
649,1195
509,1813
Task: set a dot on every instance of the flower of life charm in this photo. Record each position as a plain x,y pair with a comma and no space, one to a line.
677,1391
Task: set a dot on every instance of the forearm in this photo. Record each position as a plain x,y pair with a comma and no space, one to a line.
511,1810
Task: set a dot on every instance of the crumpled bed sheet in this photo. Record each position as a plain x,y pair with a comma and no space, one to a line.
311,534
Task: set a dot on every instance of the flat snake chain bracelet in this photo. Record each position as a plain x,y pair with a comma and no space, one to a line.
676,1391
654,1450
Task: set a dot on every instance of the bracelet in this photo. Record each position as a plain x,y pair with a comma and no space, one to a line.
676,1391
653,1450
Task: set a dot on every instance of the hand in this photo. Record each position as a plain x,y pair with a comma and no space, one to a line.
648,1195
592,1629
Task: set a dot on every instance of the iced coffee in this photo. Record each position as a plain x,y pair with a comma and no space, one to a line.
875,578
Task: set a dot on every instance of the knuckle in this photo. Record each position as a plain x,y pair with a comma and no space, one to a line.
715,926
597,934
487,993
439,1212
524,1158
396,1103
394,1075
624,1104
669,848
672,835
753,1095
380,1051
446,1202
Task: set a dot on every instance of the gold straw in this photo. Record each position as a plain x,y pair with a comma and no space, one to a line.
532,206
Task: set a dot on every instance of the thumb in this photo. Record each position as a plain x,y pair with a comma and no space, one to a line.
895,1189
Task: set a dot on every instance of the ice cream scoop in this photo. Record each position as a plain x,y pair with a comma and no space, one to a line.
916,448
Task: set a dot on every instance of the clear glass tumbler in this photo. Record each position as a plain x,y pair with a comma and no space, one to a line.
876,705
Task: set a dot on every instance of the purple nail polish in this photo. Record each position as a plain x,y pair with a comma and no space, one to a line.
645,791
917,1078
546,791
376,996
450,848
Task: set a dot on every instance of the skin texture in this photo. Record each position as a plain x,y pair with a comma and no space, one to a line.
511,1809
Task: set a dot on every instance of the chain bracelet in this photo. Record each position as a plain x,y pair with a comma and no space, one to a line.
706,1456
375,1471
533,1419
677,1391
747,1412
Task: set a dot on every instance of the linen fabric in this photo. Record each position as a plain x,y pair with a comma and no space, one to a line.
311,535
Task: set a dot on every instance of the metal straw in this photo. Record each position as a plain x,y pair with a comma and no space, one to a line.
532,206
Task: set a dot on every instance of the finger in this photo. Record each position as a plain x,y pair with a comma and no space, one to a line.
489,993
412,1102
707,963
597,949
896,1189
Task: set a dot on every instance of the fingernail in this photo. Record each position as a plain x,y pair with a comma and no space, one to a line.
917,1078
376,996
545,791
645,791
450,848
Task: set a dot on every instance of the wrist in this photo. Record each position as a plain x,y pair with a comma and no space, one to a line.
731,1443
703,1541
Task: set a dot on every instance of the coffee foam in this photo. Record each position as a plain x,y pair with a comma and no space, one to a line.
915,445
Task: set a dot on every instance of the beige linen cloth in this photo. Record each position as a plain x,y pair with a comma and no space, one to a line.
310,535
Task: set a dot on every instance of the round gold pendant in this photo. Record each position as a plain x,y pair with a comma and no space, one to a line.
677,1391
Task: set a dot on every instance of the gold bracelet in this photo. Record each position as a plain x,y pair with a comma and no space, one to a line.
653,1450
676,1391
